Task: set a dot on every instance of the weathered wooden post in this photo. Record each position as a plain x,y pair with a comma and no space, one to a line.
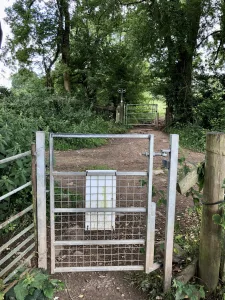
121,112
118,113
157,120
210,234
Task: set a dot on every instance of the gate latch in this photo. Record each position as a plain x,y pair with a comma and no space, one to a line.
162,153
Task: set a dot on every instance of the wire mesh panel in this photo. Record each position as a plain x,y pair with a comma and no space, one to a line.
101,219
140,114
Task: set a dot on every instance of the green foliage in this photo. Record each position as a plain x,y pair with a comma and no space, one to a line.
219,219
191,136
151,284
191,291
16,134
210,112
35,285
29,108
4,92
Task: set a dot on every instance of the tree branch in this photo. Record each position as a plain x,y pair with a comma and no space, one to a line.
217,52
132,3
212,33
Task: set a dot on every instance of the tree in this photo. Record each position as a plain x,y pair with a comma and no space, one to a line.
37,39
167,32
64,35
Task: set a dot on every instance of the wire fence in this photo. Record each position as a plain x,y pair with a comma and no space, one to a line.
109,231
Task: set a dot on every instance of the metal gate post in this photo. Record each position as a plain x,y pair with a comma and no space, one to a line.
52,204
170,210
151,207
41,200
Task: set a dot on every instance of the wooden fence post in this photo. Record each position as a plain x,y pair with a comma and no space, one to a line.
118,114
210,234
41,200
157,120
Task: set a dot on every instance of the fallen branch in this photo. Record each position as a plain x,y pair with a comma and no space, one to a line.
187,273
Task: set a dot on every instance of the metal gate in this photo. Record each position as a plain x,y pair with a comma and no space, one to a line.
141,114
104,220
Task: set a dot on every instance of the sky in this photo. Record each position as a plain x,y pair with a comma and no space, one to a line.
4,71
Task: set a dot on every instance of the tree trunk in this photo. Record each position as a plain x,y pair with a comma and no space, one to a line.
210,234
179,92
64,29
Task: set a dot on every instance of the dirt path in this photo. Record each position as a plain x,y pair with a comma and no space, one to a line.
120,155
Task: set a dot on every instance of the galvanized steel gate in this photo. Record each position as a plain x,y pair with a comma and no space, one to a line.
104,220
141,114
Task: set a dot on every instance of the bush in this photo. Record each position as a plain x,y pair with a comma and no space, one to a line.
210,112
23,113
35,285
191,136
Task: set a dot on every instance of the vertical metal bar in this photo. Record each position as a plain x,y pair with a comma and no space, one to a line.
170,212
150,207
41,200
34,192
52,203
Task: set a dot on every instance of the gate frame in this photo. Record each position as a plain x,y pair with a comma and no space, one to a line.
171,196
150,105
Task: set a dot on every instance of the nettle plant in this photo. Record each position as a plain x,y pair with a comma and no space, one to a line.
35,285
188,291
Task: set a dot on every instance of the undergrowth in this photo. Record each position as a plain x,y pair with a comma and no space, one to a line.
191,136
35,284
24,114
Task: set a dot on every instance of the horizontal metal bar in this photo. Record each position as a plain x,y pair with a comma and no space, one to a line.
56,173
101,172
132,173
5,258
6,245
7,159
19,257
111,209
19,267
98,269
101,136
100,242
15,191
13,218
